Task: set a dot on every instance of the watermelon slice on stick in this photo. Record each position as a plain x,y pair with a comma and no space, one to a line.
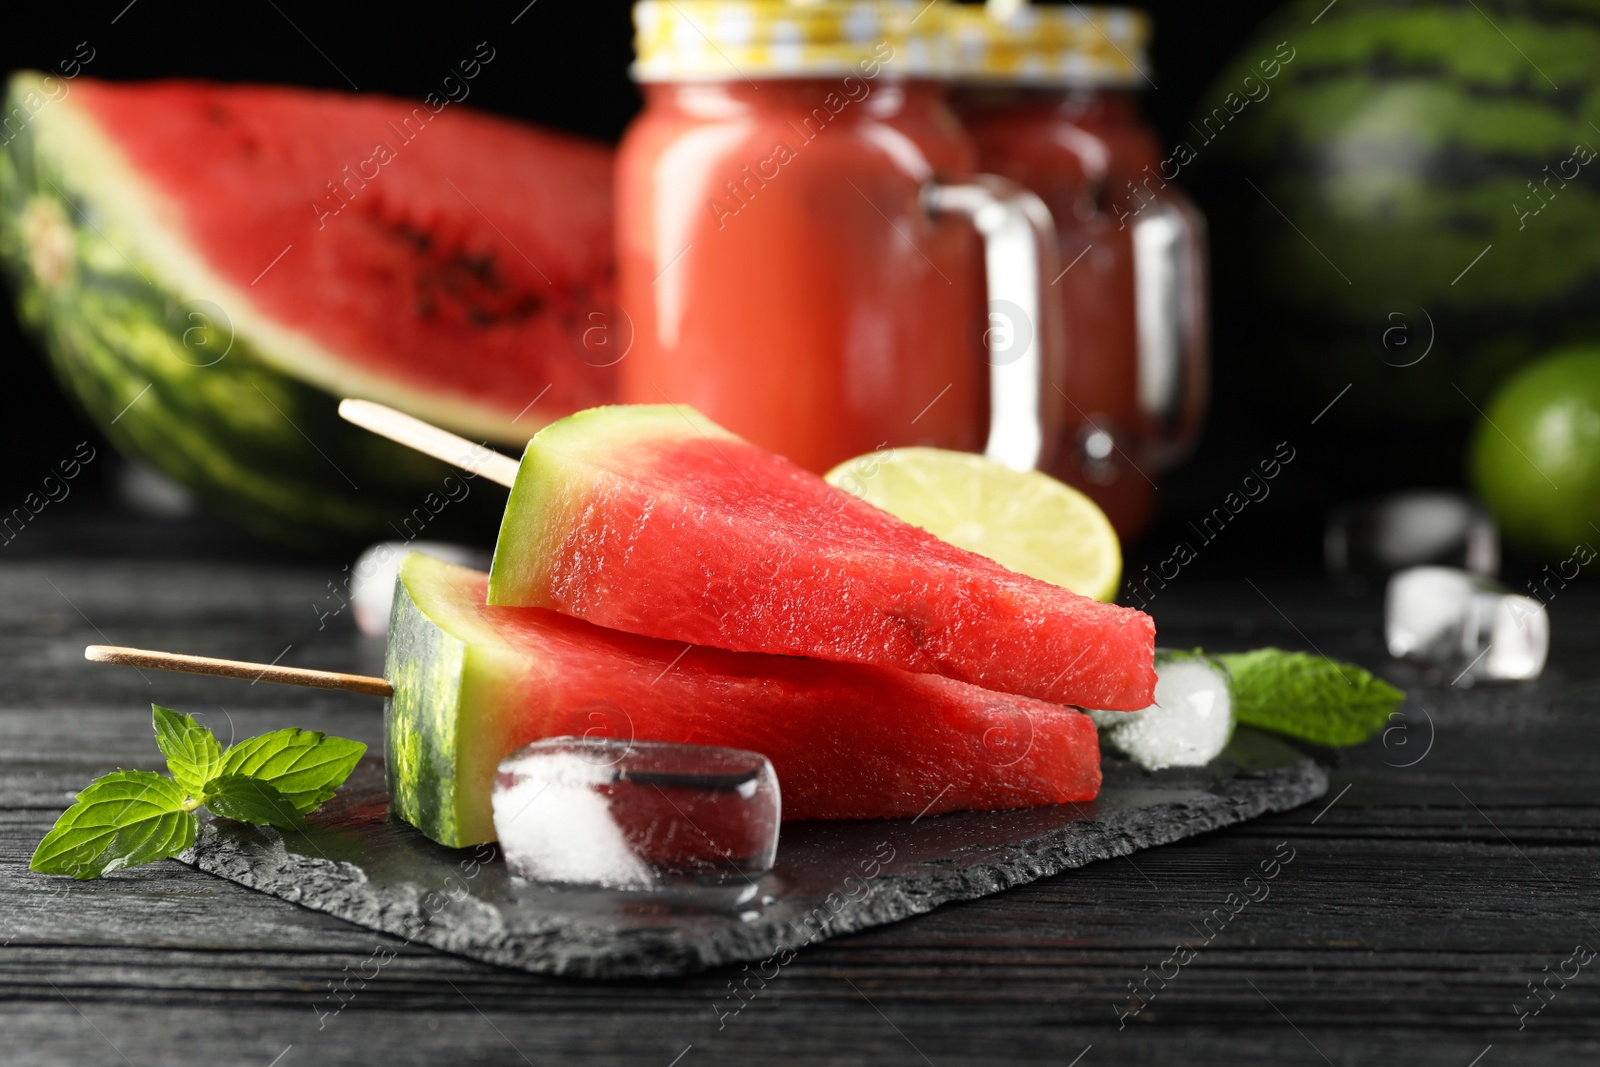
655,521
468,683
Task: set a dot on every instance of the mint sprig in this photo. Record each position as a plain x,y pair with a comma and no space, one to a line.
127,818
1310,697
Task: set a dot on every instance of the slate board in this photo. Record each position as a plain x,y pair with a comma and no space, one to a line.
831,877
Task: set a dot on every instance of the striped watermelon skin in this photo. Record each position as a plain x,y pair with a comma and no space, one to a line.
1386,161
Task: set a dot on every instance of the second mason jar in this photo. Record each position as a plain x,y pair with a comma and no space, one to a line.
1049,93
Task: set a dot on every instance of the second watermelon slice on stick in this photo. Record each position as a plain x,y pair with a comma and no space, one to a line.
472,683
656,521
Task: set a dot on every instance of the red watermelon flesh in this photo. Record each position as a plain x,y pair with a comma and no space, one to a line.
438,258
473,682
654,520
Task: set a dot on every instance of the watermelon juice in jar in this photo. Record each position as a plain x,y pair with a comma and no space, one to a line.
1048,93
796,217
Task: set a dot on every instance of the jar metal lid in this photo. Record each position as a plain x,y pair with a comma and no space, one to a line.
730,40
1068,45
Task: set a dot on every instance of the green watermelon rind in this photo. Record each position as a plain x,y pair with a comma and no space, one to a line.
441,744
257,444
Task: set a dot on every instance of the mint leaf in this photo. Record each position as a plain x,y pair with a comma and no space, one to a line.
245,799
121,820
305,766
1308,696
193,755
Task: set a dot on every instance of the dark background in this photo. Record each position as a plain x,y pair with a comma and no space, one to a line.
563,63
1404,935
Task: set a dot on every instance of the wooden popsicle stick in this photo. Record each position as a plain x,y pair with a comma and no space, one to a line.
430,440
233,668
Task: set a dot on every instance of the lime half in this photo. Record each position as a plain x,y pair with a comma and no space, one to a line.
1024,520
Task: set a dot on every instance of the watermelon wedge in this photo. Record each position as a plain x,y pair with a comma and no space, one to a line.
214,266
656,521
473,682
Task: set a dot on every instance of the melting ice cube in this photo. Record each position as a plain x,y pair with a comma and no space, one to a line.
1446,618
1188,725
635,814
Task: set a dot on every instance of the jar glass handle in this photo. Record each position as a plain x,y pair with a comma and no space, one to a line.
1170,308
1023,337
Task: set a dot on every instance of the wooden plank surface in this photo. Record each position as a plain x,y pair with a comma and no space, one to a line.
1417,907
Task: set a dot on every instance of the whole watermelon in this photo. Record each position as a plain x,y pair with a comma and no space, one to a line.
1409,205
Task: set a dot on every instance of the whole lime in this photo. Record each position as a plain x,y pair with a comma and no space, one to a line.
1535,456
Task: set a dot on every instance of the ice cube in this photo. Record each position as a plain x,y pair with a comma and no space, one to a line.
635,814
1188,725
1411,529
371,580
147,491
1449,619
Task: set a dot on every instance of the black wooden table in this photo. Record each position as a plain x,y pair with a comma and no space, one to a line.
1452,864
